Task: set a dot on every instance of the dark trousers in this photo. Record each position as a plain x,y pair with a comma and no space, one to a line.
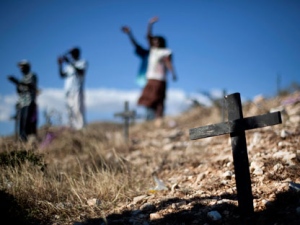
28,121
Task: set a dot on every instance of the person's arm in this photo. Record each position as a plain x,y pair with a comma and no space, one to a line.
13,80
18,83
170,67
127,31
60,61
80,68
149,29
139,50
21,84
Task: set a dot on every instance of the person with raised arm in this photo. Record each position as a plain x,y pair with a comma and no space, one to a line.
159,63
73,69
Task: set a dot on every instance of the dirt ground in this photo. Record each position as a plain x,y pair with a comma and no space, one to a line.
195,180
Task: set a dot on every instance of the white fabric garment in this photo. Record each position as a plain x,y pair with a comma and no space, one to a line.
75,107
73,81
156,67
74,94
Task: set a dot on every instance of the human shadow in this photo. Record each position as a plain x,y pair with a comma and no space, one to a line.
280,211
12,212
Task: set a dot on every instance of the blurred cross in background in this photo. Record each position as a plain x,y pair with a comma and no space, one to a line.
126,115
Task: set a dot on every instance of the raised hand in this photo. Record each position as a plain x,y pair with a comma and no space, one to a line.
125,29
60,60
153,20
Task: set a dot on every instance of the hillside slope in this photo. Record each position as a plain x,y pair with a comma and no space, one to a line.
160,176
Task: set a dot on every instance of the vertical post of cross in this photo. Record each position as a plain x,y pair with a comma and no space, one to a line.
236,127
240,157
223,106
126,115
126,120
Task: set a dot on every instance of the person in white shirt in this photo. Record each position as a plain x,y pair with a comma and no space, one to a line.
159,63
73,70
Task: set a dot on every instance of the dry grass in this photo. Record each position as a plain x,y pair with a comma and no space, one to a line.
57,181
54,184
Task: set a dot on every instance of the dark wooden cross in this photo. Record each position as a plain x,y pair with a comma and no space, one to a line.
236,127
126,115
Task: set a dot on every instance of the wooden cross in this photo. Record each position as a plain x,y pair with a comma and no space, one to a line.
236,127
126,115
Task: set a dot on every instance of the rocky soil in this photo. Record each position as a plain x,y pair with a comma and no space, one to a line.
194,181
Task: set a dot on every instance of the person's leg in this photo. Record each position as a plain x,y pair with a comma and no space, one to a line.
78,112
82,109
32,119
23,123
159,111
150,113
160,106
70,109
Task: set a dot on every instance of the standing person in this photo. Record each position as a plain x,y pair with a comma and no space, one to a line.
159,63
27,105
73,71
141,78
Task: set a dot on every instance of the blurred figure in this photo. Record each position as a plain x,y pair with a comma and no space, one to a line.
73,70
155,62
141,78
142,53
159,62
27,105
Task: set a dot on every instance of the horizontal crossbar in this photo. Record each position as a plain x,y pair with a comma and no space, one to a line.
128,114
243,124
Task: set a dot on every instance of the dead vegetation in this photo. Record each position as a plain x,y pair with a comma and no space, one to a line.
94,176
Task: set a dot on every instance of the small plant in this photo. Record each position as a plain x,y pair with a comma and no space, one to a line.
16,158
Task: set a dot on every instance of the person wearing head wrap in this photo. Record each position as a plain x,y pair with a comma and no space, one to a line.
27,105
73,69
